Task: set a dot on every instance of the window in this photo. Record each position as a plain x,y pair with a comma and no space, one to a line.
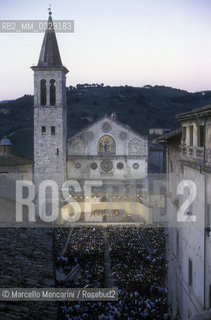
189,313
177,244
191,136
52,92
135,166
183,134
106,165
43,130
57,151
210,296
200,136
190,272
120,165
171,165
93,165
208,222
43,92
190,208
53,130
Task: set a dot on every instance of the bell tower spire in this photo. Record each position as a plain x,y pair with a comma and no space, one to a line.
49,54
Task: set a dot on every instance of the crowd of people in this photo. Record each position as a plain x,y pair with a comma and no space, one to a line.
156,237
138,274
86,250
60,236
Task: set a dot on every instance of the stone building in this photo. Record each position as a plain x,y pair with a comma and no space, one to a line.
188,152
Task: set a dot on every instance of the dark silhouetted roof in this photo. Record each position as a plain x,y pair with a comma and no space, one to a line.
199,112
11,160
49,54
167,136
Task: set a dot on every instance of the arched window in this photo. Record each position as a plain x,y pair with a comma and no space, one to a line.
106,145
52,92
43,92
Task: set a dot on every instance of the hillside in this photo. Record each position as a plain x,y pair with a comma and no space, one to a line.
141,108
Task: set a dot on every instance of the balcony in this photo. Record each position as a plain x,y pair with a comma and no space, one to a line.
196,154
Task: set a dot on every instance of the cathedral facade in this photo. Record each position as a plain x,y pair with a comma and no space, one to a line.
107,150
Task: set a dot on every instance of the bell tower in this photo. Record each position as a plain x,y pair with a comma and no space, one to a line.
50,112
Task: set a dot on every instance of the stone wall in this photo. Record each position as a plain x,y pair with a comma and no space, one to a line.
50,149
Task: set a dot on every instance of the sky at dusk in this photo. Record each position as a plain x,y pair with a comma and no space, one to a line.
116,42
